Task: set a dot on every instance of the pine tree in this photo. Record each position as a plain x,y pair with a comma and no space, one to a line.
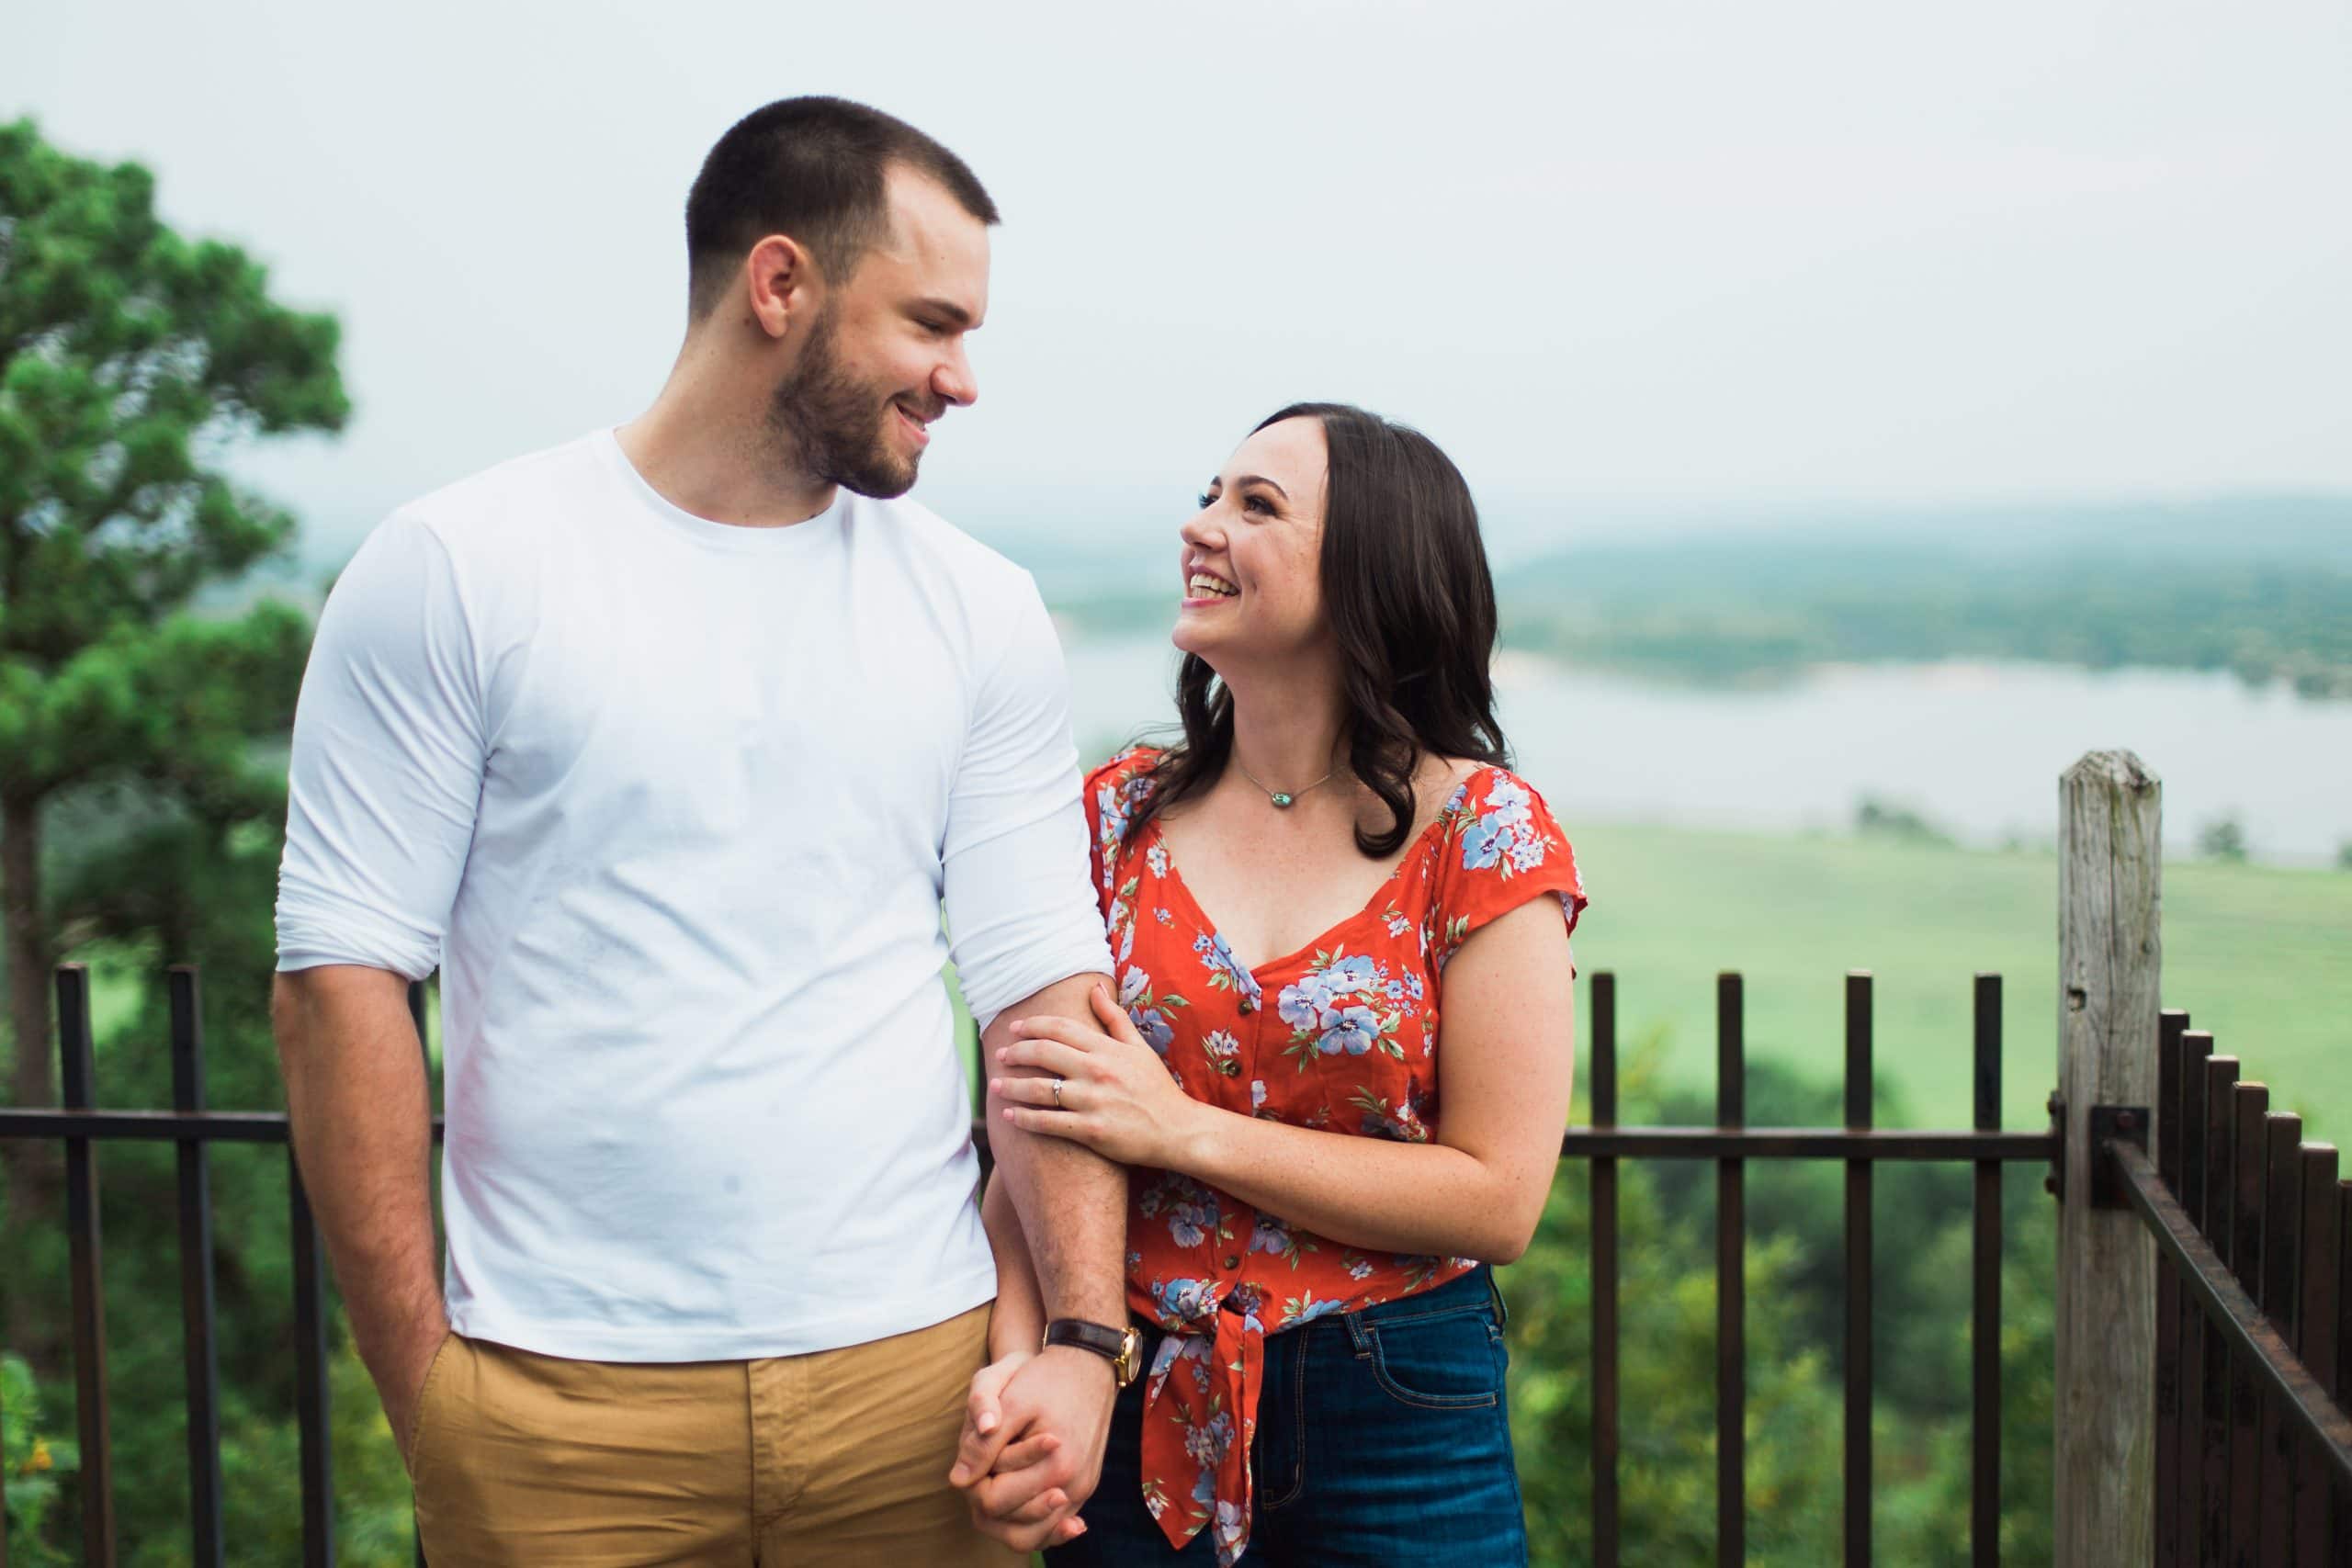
131,361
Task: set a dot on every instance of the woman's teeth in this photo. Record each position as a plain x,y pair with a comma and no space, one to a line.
1203,586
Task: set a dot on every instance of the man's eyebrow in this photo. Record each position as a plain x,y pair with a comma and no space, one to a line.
947,307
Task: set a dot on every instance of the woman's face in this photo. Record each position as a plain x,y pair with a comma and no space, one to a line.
1252,557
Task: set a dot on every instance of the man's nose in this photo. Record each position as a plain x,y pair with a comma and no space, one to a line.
953,379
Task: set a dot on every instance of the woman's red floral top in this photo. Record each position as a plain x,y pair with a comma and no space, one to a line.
1342,1035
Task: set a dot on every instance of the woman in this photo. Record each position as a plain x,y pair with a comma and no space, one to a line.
1341,1051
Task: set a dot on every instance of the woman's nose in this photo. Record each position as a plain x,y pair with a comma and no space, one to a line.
1202,531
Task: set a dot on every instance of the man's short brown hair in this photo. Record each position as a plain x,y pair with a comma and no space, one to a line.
814,169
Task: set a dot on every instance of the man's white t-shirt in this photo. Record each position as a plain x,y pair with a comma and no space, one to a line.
673,805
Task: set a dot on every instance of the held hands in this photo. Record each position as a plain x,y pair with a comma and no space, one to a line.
1034,1423
1032,1448
1115,1094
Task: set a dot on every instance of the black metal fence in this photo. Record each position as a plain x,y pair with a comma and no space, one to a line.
1731,1144
2234,1385
80,1127
2254,1232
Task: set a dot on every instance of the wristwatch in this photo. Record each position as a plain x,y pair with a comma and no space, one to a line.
1123,1348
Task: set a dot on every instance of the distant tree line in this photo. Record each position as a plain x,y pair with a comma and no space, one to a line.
1733,609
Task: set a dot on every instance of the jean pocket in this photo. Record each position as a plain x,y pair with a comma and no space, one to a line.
1447,1360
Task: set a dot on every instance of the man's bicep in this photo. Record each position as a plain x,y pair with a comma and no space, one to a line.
385,776
1022,918
1017,764
1017,879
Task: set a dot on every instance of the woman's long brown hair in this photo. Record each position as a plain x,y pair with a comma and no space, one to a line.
1411,600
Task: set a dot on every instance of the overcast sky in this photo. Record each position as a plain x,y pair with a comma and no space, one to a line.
1611,256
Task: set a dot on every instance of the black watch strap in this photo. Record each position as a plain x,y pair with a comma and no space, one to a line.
1120,1347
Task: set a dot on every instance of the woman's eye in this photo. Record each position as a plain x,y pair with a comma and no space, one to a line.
1207,501
1258,501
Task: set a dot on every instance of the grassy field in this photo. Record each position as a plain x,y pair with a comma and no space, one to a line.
2262,957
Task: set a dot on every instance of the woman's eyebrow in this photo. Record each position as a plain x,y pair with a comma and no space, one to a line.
1263,479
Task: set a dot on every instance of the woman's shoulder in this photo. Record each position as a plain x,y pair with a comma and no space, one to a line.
1123,768
1495,820
1465,787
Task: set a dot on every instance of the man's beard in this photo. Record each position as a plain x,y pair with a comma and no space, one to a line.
836,426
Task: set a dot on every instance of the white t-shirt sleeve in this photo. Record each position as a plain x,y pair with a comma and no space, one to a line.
389,742
1021,911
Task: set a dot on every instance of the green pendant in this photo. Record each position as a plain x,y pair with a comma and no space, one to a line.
1281,800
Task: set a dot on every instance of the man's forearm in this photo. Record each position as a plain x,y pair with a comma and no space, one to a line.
1018,1319
1073,1203
356,1101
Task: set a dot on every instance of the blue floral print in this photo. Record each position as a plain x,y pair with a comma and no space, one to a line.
1505,835
1335,1009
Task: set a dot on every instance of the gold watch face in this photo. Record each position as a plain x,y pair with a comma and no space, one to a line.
1130,1356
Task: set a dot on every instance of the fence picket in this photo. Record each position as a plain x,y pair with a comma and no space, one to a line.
2196,1049
1731,1279
2250,1104
207,1547
2282,1224
2221,1171
1859,1243
1985,1326
1605,1526
77,1091
2316,1306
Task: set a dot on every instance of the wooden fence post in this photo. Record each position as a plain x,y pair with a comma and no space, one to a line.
2109,953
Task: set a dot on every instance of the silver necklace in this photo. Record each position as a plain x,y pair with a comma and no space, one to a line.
1283,798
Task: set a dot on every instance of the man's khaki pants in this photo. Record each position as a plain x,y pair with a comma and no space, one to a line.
833,1460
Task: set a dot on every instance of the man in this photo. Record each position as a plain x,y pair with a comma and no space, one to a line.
666,745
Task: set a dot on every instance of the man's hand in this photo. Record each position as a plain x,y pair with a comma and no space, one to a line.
400,1373
1032,1450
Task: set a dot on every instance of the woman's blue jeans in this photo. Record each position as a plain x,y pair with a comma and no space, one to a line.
1383,1437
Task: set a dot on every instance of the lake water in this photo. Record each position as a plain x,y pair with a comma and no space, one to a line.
1976,749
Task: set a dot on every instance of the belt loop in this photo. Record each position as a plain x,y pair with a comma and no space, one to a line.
1494,1289
1357,1333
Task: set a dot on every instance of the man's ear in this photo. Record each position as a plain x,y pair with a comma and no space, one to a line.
783,280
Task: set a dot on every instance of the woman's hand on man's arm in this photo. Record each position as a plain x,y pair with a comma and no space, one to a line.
1506,1060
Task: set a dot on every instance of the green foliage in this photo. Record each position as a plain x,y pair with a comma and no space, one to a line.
2222,839
1666,1371
131,361
1876,816
1793,1275
33,1461
1744,607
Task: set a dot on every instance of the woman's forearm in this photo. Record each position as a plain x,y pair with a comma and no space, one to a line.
1363,1191
1019,1320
